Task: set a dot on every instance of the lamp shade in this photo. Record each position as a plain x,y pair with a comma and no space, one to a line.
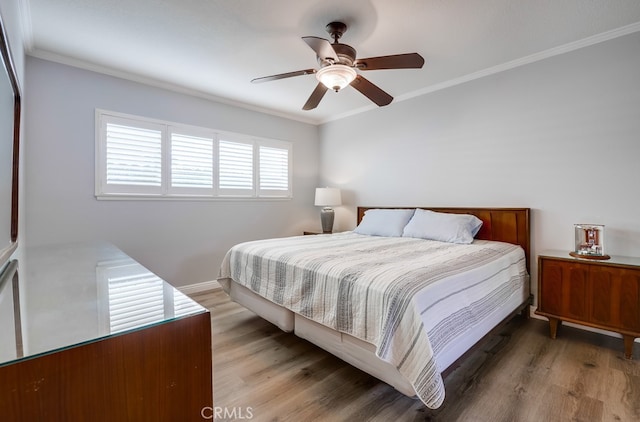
336,76
327,197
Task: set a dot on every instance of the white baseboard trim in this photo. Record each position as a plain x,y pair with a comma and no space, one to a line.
200,287
581,327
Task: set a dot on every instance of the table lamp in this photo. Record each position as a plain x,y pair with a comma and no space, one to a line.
327,197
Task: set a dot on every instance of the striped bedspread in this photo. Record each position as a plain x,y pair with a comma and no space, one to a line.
409,297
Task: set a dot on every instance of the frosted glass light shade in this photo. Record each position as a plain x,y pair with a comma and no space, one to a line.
336,76
328,197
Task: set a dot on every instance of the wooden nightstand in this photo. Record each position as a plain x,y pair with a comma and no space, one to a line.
600,294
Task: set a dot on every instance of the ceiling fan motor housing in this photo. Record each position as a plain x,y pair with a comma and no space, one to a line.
346,56
345,53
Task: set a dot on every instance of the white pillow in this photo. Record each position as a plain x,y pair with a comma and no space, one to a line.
384,222
445,227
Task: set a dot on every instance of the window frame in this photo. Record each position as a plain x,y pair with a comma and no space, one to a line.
166,190
273,144
101,159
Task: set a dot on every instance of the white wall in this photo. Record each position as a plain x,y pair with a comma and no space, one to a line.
181,241
561,136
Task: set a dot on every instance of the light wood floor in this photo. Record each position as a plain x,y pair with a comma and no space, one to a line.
520,375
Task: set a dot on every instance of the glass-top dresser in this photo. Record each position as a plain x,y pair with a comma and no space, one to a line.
88,333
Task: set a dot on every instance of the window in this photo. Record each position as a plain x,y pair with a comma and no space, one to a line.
138,157
191,162
133,156
236,167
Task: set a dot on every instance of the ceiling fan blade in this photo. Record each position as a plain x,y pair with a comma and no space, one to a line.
283,75
397,61
322,47
315,97
371,91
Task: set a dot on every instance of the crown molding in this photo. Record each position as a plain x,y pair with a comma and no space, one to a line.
109,71
565,48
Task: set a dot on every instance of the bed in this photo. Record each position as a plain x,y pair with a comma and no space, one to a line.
370,297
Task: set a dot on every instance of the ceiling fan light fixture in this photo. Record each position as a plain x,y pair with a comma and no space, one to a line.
338,67
336,76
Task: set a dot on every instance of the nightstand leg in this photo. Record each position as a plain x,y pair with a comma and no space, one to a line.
628,346
554,323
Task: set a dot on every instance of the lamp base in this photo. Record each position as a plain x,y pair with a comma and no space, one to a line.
326,217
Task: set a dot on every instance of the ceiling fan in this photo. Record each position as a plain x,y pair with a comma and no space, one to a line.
338,65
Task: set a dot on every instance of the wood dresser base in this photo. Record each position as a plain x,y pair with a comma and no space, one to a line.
159,373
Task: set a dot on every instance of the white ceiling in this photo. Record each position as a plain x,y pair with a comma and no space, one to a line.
213,48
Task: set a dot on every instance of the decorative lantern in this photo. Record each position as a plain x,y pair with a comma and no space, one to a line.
589,241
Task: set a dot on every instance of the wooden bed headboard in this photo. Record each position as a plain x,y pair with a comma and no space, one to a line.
509,225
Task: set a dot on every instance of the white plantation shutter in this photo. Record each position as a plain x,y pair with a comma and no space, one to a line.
274,170
191,162
150,158
133,157
235,167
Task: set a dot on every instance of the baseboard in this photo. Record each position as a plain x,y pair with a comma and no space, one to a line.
200,287
581,327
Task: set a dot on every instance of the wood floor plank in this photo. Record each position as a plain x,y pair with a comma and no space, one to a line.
519,375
